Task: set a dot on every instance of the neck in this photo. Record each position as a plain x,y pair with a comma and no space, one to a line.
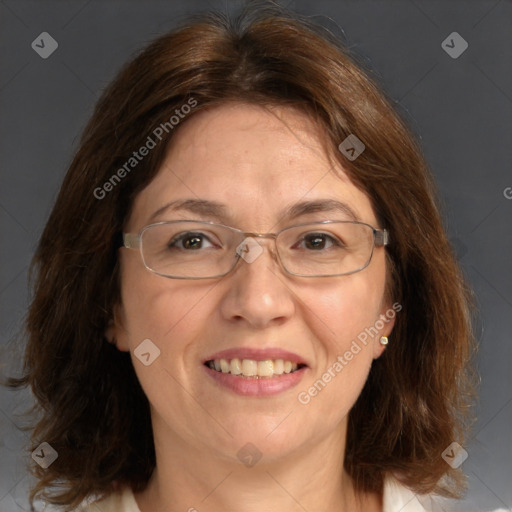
190,478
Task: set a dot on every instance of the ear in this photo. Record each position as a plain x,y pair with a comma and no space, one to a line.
385,324
115,331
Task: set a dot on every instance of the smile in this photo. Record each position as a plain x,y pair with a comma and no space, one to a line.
250,368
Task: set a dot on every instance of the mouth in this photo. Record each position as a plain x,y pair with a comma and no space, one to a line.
255,372
254,369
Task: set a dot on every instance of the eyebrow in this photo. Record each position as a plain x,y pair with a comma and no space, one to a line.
220,212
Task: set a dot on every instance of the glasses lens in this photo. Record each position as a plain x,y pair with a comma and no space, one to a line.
189,249
326,249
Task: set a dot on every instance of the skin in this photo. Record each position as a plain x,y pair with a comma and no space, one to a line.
256,162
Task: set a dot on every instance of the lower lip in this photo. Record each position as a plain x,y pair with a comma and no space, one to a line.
266,386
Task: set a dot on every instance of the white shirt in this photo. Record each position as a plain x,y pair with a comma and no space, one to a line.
396,498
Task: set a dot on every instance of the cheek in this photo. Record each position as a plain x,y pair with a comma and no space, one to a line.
349,307
169,313
174,317
348,313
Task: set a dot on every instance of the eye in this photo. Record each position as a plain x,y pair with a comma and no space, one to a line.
189,241
320,241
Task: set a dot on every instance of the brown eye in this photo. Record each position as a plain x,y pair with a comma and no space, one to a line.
319,241
192,241
315,241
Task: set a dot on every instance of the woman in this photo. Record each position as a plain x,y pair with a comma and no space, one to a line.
244,295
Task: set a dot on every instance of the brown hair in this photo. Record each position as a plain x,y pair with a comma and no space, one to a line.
93,410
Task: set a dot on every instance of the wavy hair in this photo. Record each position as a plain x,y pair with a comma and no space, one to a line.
93,411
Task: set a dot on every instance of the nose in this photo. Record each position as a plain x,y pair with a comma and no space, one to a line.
258,293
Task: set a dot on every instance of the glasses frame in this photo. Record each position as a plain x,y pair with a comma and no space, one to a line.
133,241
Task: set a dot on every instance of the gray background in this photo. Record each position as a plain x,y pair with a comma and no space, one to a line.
460,108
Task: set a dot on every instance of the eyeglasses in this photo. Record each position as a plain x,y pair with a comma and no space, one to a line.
189,249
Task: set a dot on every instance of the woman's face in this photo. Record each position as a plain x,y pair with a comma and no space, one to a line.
256,165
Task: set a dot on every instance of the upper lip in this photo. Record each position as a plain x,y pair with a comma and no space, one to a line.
257,354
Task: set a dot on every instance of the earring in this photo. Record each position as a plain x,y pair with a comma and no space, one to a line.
384,340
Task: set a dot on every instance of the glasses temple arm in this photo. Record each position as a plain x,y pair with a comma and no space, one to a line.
381,237
131,241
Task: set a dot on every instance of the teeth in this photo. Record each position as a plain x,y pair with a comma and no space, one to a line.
249,367
265,368
252,368
278,366
236,367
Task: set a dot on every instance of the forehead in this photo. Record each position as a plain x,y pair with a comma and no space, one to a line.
255,161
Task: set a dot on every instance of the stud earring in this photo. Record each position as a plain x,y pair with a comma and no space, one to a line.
384,340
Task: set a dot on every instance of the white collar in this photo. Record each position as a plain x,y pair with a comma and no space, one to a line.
398,498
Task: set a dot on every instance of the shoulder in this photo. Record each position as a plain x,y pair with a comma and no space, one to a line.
398,498
122,501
